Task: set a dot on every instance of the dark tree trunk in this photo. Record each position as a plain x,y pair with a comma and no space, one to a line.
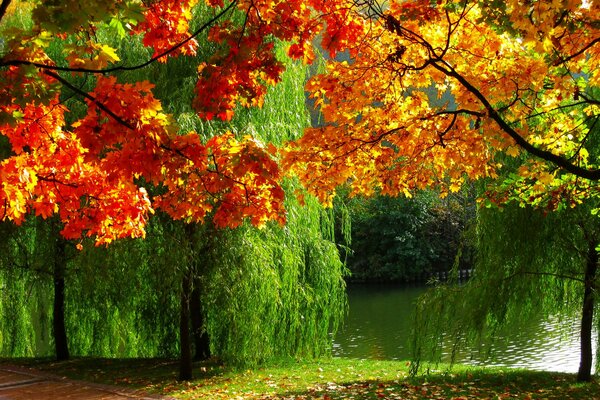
201,342
185,364
58,321
587,315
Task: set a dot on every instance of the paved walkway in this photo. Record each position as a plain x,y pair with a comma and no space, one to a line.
18,383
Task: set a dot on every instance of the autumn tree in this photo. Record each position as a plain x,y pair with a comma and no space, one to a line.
93,170
262,294
437,93
90,171
512,77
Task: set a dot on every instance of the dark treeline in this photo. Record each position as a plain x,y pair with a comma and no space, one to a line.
406,240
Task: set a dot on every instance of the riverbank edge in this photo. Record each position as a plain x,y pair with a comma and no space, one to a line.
330,378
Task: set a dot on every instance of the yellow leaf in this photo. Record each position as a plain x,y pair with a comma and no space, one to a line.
513,151
546,178
108,53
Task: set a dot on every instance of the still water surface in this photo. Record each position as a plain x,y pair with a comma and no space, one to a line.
378,326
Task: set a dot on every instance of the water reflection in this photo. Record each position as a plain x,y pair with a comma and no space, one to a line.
380,320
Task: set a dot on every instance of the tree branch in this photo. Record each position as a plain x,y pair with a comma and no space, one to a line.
56,181
520,140
90,98
27,267
4,7
442,134
589,100
578,53
205,26
556,275
461,111
394,26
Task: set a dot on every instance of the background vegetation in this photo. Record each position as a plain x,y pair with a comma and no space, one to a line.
410,240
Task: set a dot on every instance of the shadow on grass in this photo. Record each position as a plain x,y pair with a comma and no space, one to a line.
137,373
331,379
517,384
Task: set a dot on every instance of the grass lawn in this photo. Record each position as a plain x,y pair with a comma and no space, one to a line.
329,379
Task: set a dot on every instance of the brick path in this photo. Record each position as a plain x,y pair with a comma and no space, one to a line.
18,383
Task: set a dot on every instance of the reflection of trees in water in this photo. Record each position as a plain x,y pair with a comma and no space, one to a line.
379,322
379,326
542,344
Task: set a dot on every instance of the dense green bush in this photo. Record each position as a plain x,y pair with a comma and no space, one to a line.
407,240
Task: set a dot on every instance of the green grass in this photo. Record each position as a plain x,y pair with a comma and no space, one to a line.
328,379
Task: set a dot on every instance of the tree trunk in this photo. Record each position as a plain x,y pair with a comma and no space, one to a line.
185,364
587,315
58,321
201,342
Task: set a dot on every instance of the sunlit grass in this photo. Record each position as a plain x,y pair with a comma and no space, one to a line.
336,378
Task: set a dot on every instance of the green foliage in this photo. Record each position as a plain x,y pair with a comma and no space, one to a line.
528,264
267,293
400,239
25,281
21,335
276,292
119,301
123,301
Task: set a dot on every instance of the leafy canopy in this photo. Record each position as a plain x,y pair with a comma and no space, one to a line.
415,94
435,93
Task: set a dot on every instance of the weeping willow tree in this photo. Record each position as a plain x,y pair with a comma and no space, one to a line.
123,299
20,289
33,260
269,293
529,264
275,292
262,294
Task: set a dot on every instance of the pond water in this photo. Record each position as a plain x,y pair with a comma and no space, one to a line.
378,326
